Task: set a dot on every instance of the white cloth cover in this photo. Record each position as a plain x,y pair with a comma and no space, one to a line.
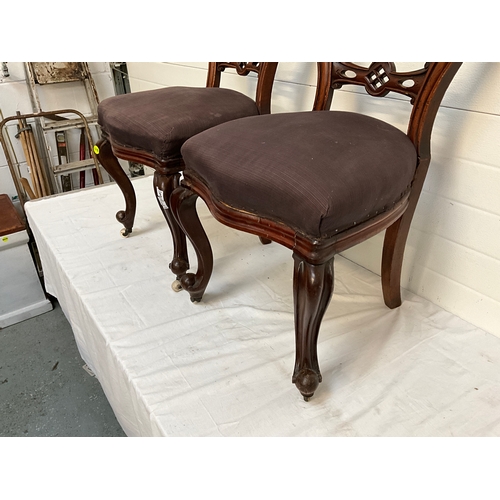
223,367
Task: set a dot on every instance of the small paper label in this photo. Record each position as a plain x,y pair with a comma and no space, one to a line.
5,239
161,199
96,150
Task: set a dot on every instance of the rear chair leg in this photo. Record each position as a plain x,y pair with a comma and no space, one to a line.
395,242
392,259
312,291
108,160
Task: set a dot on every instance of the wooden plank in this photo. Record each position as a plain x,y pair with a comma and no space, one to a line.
10,222
74,166
57,72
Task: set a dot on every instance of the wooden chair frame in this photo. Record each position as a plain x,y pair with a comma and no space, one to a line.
313,258
168,173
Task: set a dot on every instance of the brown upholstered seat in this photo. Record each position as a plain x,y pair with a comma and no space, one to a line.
159,121
305,169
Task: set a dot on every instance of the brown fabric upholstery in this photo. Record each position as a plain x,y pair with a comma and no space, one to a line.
159,121
318,172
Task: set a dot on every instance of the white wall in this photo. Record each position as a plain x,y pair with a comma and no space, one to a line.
452,256
14,97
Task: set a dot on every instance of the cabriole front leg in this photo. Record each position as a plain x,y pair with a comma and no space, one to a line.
108,160
183,203
312,291
164,184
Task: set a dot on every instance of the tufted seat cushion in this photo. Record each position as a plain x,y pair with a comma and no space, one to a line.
318,172
159,121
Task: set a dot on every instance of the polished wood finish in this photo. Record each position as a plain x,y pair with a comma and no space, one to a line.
10,221
163,185
183,204
104,153
167,173
316,251
265,73
312,292
313,257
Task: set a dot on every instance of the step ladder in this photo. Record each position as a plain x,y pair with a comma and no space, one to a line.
64,77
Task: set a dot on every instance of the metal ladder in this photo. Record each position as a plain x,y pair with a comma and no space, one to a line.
45,74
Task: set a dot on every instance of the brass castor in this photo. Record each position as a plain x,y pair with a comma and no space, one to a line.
125,232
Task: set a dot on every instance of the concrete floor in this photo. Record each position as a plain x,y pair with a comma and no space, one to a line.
44,391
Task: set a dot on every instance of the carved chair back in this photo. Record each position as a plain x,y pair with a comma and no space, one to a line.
425,87
265,72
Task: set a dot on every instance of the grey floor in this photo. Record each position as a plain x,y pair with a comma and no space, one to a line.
44,390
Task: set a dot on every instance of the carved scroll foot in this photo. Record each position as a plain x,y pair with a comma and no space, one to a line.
312,291
108,160
164,184
179,266
183,204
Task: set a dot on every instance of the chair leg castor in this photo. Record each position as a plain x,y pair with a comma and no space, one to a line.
125,232
176,286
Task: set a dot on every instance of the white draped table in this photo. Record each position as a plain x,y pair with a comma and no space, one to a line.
223,367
